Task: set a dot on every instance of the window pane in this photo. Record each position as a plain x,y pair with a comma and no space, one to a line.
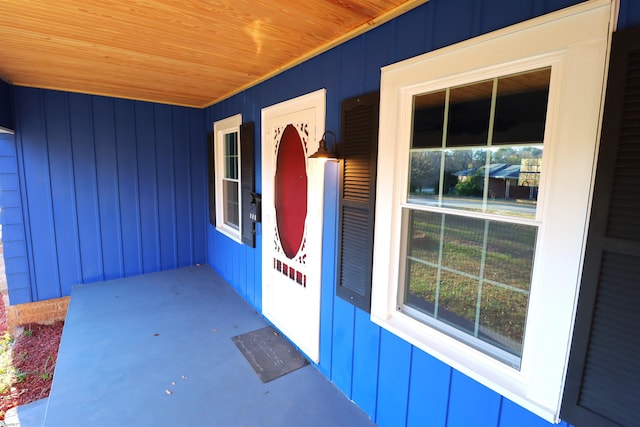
231,155
503,314
509,257
458,301
521,108
513,179
423,253
423,287
428,120
424,185
469,111
471,274
464,172
231,205
424,242
462,244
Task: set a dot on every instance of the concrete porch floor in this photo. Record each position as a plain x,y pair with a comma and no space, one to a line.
156,350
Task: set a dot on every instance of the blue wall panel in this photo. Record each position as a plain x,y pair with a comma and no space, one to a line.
629,14
394,370
342,345
147,178
499,13
166,184
352,59
257,287
86,186
37,193
411,33
250,276
471,403
377,51
241,277
182,185
198,173
109,188
62,190
428,403
395,383
129,189
366,347
106,156
514,415
446,13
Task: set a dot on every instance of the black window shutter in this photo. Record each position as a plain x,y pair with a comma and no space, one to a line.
603,379
359,154
212,179
247,182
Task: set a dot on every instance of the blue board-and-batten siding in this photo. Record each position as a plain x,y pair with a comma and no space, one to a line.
395,383
91,198
109,188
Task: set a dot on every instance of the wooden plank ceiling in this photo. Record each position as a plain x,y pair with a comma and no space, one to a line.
181,52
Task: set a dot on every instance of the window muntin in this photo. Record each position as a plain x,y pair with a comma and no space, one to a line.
470,276
227,176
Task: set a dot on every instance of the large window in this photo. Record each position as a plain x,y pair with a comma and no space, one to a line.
475,160
227,176
485,166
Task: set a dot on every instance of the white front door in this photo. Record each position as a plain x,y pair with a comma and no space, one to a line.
292,211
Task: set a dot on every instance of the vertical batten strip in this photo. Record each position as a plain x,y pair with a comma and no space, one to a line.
24,210
100,237
192,211
55,266
118,217
74,196
156,187
82,146
174,195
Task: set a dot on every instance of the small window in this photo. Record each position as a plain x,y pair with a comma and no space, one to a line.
227,176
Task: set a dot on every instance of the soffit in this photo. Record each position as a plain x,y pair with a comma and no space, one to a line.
189,52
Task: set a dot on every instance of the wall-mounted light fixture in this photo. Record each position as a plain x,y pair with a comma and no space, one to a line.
323,152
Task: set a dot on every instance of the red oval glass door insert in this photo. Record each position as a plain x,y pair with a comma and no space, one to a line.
291,191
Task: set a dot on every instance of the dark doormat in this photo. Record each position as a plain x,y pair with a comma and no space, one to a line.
270,354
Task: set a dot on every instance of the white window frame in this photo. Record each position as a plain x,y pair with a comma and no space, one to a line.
220,129
575,43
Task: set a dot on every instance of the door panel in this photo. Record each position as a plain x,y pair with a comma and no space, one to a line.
292,207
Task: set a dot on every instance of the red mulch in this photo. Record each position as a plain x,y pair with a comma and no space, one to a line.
35,354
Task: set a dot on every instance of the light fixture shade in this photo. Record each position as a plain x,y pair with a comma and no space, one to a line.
322,152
